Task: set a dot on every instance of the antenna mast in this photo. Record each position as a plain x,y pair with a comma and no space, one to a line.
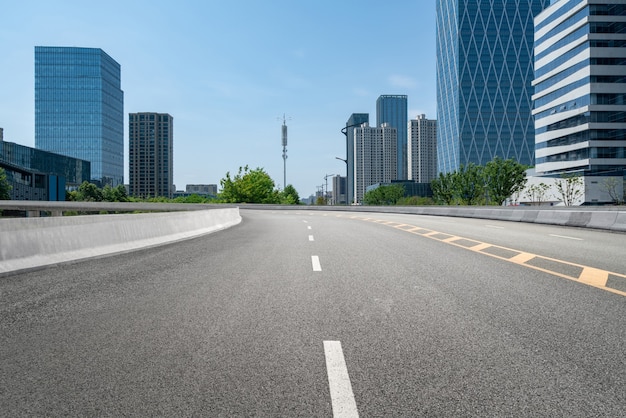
284,142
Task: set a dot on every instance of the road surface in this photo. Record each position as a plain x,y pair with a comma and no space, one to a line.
324,314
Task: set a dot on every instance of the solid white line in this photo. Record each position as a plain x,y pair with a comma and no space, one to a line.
315,260
341,394
566,237
494,226
311,238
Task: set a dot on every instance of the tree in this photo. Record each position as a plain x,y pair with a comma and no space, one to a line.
5,187
537,192
469,184
289,196
443,189
248,186
503,178
612,186
384,195
88,192
569,188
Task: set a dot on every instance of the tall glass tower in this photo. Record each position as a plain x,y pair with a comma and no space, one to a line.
79,109
484,76
392,109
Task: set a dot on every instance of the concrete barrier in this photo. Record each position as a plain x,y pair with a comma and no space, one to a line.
612,218
29,243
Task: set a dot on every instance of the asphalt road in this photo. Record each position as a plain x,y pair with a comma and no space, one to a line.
314,314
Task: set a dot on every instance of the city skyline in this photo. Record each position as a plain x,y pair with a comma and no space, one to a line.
229,77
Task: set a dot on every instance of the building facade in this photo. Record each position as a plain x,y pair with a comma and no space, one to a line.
580,88
422,149
375,157
79,109
484,74
202,189
151,155
355,120
40,175
393,110
340,196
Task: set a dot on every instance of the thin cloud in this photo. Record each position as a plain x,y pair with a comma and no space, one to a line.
402,81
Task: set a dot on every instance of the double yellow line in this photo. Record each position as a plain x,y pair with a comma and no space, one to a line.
601,279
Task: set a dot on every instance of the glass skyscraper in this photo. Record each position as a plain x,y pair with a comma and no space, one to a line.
392,109
580,88
484,76
79,109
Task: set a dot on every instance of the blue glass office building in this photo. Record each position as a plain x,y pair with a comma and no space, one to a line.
484,75
79,109
392,109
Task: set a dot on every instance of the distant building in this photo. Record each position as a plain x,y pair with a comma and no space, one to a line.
355,120
580,88
484,72
151,154
392,109
202,189
340,195
79,109
40,175
422,149
375,157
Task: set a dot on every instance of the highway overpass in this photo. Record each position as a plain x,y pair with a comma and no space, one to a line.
304,312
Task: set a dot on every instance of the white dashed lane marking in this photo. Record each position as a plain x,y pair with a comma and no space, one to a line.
566,237
315,261
341,395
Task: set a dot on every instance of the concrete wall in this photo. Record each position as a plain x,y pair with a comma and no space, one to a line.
29,243
611,218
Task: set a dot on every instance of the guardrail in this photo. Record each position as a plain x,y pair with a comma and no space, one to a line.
36,242
34,208
611,218
599,217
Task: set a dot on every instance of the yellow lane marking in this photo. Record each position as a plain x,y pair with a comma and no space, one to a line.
480,247
594,276
521,258
590,276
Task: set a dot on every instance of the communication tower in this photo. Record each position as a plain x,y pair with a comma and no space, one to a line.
284,142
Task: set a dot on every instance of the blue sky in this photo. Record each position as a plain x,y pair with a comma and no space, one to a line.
228,70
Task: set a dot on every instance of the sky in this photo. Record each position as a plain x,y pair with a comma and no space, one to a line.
229,70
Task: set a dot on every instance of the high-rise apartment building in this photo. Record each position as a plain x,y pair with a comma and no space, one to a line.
422,149
339,190
79,109
484,75
580,88
355,120
393,109
151,154
375,157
